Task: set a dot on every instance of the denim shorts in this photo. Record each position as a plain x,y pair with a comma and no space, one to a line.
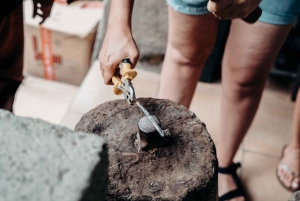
277,12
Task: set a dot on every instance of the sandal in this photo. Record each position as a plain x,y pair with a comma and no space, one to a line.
287,169
239,191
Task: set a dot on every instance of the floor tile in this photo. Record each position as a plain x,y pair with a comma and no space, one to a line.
93,91
270,131
238,158
259,179
48,86
206,105
277,95
146,84
44,99
71,119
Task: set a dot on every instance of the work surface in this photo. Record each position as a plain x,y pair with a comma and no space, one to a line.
184,167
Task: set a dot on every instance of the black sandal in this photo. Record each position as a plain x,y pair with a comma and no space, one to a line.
239,191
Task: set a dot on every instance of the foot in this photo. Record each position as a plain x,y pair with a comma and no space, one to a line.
226,184
289,167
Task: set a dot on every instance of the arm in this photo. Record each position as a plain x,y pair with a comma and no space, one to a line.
120,13
118,43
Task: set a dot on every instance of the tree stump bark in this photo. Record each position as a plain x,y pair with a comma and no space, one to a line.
295,196
186,169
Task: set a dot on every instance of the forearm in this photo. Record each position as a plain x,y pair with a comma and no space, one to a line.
120,14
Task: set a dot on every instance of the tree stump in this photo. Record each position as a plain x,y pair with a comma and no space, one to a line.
185,169
295,196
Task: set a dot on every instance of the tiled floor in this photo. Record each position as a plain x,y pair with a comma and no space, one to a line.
47,100
259,153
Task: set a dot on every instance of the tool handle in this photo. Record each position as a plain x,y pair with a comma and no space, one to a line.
117,82
127,71
253,16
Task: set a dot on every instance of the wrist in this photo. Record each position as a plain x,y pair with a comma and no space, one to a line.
120,14
119,29
119,25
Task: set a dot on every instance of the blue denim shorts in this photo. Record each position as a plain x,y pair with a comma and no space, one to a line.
278,12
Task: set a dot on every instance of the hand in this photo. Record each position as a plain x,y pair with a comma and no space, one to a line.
117,45
230,9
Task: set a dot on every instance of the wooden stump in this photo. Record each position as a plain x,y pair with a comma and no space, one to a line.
186,169
295,196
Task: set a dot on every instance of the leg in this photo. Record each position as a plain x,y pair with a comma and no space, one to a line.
249,54
291,155
296,123
11,57
190,41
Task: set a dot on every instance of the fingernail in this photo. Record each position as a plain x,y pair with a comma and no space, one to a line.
295,185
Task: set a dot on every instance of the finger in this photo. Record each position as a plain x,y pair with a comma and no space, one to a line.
217,6
295,183
226,12
107,76
118,73
103,74
101,66
113,69
234,14
109,70
134,57
239,11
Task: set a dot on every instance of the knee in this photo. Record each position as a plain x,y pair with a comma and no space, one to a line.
191,55
247,79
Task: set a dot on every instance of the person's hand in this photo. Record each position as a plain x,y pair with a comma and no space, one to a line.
230,9
117,45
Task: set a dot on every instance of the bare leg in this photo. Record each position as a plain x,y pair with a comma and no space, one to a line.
190,41
249,54
291,156
296,127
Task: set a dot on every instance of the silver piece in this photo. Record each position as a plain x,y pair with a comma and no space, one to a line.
129,94
146,126
159,130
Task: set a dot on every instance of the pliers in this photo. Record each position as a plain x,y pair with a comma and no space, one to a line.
125,87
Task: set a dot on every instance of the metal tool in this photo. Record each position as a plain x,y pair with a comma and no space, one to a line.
125,87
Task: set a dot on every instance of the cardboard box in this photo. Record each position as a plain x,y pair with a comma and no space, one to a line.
73,30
